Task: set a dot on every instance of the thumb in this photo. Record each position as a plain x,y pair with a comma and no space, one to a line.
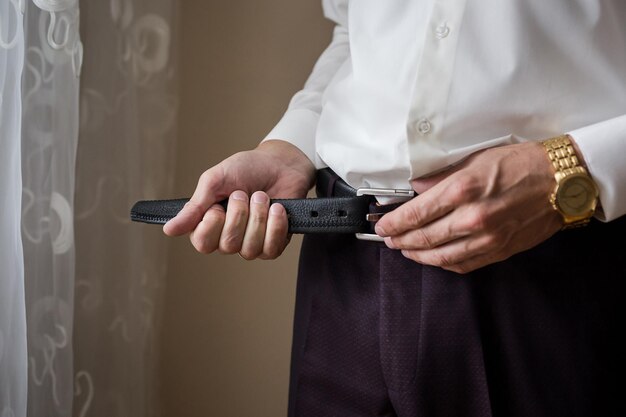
208,192
186,220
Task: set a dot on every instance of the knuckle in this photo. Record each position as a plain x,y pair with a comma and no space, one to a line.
198,246
477,219
493,240
205,249
392,242
194,207
411,255
238,209
230,244
423,239
258,220
250,251
273,249
272,252
442,260
248,255
209,179
411,216
202,245
465,187
459,269
205,177
214,214
277,231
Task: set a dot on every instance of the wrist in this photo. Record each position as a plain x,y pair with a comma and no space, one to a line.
288,154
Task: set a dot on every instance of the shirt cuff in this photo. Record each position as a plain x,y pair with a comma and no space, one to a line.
603,146
298,127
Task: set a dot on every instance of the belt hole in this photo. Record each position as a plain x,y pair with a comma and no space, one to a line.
314,213
342,213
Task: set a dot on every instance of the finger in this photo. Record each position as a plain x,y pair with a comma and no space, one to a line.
505,248
254,237
276,236
455,252
206,194
206,236
186,220
473,264
232,234
426,237
436,202
459,223
412,215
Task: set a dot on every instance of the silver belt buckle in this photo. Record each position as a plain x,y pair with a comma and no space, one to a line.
382,192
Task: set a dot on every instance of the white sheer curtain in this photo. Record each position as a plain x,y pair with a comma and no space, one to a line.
12,310
40,53
50,86
58,243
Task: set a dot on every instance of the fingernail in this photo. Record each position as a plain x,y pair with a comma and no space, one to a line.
276,209
379,230
260,198
239,195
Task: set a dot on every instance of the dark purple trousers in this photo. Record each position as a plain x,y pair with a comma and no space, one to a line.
376,334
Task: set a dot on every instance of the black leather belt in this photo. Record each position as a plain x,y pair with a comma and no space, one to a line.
340,208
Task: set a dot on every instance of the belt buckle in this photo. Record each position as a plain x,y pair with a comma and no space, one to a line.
382,192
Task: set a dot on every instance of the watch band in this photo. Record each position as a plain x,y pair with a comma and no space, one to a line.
563,157
567,167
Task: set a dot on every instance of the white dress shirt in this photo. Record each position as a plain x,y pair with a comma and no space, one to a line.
409,87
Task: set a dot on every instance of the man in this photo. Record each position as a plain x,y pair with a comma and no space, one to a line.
505,117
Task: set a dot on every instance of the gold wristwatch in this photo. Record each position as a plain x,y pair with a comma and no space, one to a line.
575,196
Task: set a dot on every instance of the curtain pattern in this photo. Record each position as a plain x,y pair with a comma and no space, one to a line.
127,131
79,284
50,88
41,52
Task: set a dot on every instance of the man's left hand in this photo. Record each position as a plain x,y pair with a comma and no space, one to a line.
487,208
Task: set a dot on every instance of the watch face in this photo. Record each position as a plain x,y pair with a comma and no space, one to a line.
577,195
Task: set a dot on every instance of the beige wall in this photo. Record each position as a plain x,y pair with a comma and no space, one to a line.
226,334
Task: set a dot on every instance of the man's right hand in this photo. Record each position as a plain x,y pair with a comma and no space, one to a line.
250,227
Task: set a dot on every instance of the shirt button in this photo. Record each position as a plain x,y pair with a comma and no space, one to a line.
442,31
424,126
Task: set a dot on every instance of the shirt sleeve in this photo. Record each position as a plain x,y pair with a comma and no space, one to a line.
299,123
603,146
